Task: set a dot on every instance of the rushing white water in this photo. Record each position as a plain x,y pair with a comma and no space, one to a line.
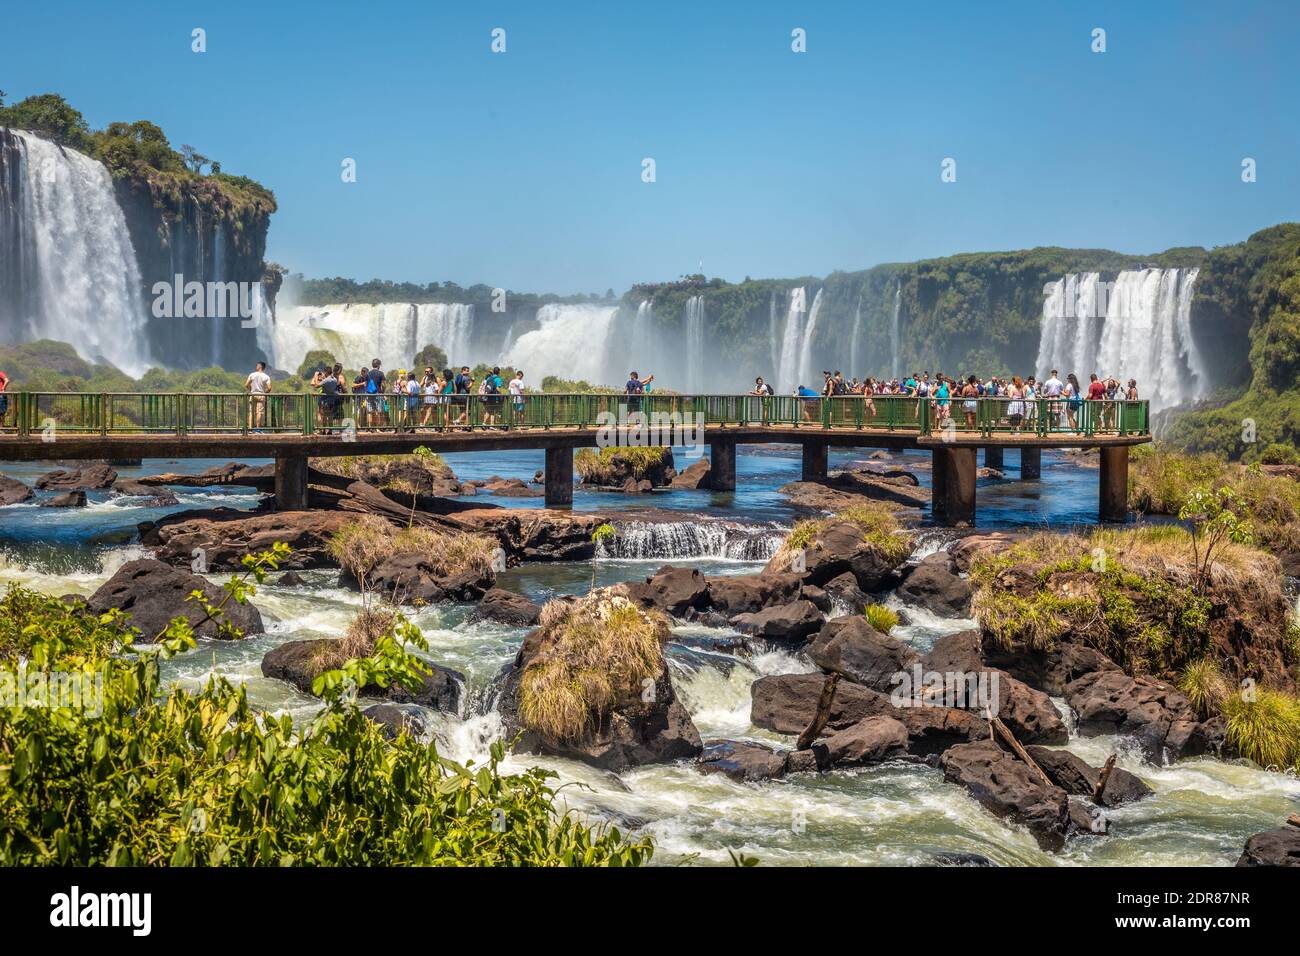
357,333
854,337
789,358
895,333
773,338
1071,326
693,320
79,281
806,376
1147,336
573,342
723,540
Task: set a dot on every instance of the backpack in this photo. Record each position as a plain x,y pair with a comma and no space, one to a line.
493,385
371,387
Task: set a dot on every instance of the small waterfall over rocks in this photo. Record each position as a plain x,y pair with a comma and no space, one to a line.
693,538
68,270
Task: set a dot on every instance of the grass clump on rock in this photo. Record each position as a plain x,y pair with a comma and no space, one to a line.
879,525
607,465
1263,725
359,547
881,618
596,652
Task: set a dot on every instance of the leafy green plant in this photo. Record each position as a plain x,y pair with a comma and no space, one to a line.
1215,517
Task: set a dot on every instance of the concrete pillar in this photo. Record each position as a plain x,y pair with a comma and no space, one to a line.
1031,464
815,455
722,465
291,482
993,458
1113,484
954,485
559,477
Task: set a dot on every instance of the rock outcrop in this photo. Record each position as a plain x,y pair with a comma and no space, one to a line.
153,593
300,662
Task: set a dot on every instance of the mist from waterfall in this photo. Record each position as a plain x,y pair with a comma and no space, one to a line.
573,342
855,336
1137,327
895,333
71,269
806,376
355,334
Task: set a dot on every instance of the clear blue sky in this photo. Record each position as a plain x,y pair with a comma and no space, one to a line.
523,170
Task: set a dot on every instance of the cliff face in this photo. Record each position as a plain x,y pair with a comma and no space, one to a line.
197,230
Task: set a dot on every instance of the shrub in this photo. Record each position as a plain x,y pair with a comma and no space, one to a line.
881,618
1264,727
595,651
600,466
1205,686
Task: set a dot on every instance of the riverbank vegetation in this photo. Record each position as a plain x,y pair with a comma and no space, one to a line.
157,775
615,464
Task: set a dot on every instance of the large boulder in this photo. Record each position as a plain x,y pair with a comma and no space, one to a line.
13,491
791,622
965,550
935,585
397,719
1049,671
742,761
693,476
69,499
261,477
836,548
843,589
732,594
507,607
850,646
1157,715
413,577
1009,788
870,740
1076,776
225,535
153,593
157,496
91,476
301,662
671,590
1272,848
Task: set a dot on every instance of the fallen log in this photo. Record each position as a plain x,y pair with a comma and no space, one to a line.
1103,779
824,702
1020,751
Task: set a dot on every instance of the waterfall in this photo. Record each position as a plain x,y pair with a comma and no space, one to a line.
218,275
772,339
70,272
1071,326
693,320
448,326
1147,335
693,539
788,368
573,342
853,340
356,333
805,348
895,369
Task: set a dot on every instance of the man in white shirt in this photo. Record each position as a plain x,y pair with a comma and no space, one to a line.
517,394
258,386
1051,390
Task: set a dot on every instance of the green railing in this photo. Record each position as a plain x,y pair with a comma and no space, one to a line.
180,414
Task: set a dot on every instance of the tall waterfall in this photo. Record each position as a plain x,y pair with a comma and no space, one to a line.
693,321
1071,327
573,342
788,359
68,268
355,333
806,376
853,338
895,333
773,338
1147,336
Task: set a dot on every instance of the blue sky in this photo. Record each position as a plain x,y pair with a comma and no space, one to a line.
523,169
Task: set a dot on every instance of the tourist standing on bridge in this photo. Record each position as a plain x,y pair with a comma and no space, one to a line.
517,395
374,386
634,389
464,382
4,399
970,401
1051,390
430,388
258,386
1073,395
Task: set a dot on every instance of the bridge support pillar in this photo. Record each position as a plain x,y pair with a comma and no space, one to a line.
815,456
722,465
953,486
1113,503
291,482
993,458
559,477
1031,464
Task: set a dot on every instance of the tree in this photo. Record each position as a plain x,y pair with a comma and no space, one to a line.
431,356
193,158
1214,518
51,115
313,360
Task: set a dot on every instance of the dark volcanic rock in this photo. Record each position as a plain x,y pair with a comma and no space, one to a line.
158,497
837,548
694,476
153,593
291,579
1272,848
1010,789
732,594
1075,775
397,719
671,590
934,585
870,740
69,499
1049,671
783,622
741,760
844,589
1156,714
225,535
852,647
13,491
90,477
300,662
507,607
410,577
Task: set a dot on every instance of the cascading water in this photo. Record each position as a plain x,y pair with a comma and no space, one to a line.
773,337
693,321
70,272
693,539
1147,336
806,376
356,333
789,357
448,326
895,366
573,342
853,340
1071,326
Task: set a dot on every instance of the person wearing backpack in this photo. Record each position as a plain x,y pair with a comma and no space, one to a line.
375,394
492,398
4,399
464,382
